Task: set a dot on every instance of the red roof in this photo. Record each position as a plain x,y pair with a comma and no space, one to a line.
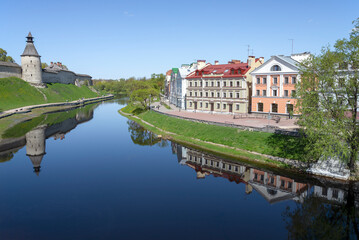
227,70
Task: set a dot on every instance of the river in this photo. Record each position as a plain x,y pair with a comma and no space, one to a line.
91,173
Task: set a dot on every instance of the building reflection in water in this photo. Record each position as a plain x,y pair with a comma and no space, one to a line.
271,186
48,126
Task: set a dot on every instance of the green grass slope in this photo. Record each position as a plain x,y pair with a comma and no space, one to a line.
15,92
58,92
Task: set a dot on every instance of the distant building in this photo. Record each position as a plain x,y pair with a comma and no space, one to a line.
274,84
167,83
222,88
31,71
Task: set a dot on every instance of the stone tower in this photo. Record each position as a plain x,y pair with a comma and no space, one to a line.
35,146
31,64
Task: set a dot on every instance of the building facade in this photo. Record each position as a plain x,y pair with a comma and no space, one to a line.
178,82
221,88
274,84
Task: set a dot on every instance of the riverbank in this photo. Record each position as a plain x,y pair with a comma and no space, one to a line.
268,149
81,102
16,93
253,146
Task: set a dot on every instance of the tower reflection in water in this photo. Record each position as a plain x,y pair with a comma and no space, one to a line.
34,132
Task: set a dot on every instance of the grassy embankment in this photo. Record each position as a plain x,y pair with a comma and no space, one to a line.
15,92
235,140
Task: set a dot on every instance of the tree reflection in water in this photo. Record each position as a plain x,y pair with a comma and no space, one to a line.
315,219
144,137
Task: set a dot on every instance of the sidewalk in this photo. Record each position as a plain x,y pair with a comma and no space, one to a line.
284,123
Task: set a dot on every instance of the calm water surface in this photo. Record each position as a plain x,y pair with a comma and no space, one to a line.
99,176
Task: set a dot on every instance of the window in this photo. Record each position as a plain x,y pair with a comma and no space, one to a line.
262,177
200,83
190,104
217,164
206,105
237,83
274,93
231,83
275,80
237,95
335,193
218,94
206,84
258,80
264,80
282,183
275,68
294,80
190,84
293,93
206,94
224,166
289,108
224,95
285,93
231,95
224,84
286,80
218,84
218,106
256,176
190,94
289,184
236,168
212,84
324,191
224,106
258,93
264,92
274,107
232,71
195,84
201,94
260,107
195,94
272,180
237,107
229,167
212,94
211,163
200,104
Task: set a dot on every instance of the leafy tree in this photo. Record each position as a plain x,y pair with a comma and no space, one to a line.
144,96
328,100
4,57
44,65
141,136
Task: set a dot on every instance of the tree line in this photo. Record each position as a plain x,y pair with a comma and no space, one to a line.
141,90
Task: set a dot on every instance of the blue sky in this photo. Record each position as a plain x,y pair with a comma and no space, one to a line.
115,39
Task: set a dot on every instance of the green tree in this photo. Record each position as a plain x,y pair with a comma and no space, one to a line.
328,100
4,57
144,96
44,65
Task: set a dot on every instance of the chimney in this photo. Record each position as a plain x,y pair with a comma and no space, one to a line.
201,64
261,59
216,62
251,60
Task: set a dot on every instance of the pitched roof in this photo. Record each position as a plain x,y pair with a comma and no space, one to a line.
30,50
9,64
224,70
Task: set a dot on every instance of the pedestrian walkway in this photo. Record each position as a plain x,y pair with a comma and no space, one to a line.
284,123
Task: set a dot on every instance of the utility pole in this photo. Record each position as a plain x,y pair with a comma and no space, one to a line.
292,43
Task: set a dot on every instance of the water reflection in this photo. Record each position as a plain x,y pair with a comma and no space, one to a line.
141,136
323,208
34,132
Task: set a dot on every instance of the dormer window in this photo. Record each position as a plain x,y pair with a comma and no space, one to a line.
197,73
232,71
275,68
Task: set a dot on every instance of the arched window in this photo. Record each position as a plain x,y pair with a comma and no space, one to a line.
275,68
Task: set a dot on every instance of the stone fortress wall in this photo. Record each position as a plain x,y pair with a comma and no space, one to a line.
30,70
10,70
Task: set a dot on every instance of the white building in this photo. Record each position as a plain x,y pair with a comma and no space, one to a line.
178,82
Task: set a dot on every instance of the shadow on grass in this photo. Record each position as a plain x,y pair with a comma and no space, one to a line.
288,146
